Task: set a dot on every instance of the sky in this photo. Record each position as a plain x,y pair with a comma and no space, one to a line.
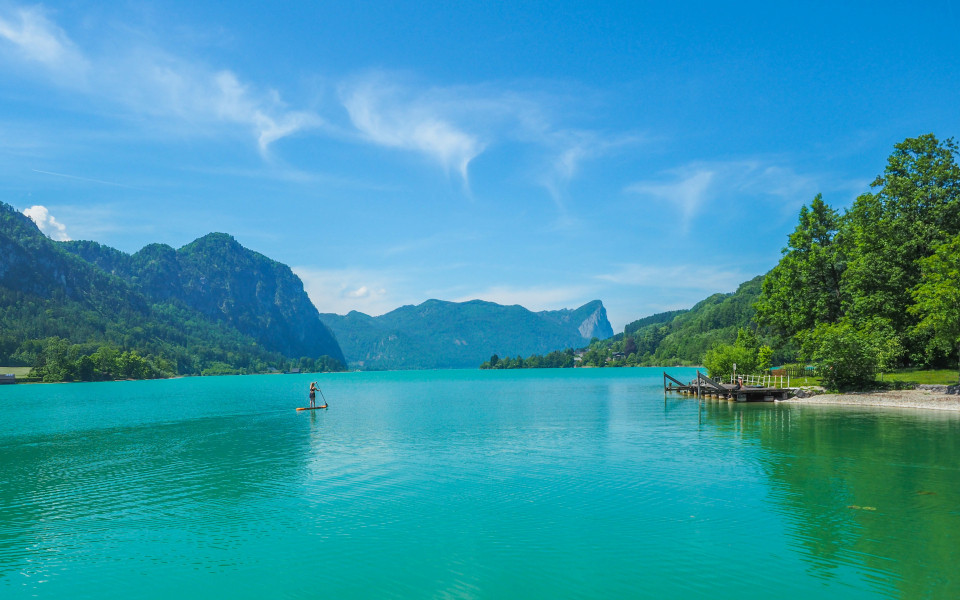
647,154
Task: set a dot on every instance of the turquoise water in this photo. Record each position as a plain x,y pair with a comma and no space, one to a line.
468,484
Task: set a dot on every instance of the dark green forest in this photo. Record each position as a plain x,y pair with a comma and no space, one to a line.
871,288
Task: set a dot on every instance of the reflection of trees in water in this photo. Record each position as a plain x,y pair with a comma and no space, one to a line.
877,488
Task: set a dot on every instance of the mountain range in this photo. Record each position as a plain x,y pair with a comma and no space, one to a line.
211,302
438,334
215,306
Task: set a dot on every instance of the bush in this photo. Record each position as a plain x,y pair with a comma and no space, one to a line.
846,357
747,353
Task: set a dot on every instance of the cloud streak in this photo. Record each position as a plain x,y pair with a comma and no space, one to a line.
693,187
148,81
389,115
675,277
87,179
688,193
35,39
120,72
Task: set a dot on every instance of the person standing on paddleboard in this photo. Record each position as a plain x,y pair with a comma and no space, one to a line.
313,394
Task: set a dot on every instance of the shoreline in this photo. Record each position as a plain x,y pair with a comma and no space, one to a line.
917,398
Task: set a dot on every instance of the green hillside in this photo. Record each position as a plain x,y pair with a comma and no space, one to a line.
678,337
211,307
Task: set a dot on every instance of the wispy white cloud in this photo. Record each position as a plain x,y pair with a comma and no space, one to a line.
453,125
52,228
568,150
28,34
693,187
676,277
392,115
148,81
688,192
533,298
86,179
342,290
128,73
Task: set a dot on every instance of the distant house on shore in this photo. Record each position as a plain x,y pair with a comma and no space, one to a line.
294,371
7,378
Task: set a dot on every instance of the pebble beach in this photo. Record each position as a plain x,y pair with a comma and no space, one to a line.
936,398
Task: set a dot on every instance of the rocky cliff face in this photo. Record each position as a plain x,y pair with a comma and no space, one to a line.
259,296
590,320
225,282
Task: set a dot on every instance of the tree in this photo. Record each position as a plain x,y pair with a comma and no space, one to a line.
744,353
849,354
764,356
937,298
845,356
804,289
915,208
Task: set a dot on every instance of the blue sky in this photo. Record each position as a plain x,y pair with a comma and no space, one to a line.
543,154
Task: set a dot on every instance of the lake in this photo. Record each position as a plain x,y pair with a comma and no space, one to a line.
584,483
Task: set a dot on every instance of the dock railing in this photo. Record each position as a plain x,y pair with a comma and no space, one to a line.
767,380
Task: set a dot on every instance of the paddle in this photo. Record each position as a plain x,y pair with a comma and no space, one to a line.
321,394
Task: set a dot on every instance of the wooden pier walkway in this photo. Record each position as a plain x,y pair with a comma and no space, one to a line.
705,387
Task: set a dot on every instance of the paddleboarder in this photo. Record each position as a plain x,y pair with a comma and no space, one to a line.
313,394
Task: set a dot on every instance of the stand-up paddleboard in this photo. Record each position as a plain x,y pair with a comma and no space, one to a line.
311,407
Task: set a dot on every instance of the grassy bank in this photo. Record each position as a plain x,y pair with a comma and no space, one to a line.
930,377
18,371
898,378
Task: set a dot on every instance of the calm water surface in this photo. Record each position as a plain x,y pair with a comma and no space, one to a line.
468,484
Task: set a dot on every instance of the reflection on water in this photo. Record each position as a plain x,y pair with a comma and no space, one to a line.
874,488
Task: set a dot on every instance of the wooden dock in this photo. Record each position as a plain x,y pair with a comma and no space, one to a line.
705,387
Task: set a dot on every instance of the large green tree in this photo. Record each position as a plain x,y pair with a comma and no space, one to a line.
937,299
804,289
862,268
915,208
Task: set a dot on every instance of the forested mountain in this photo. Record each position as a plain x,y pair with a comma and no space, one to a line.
212,306
681,336
226,282
664,317
689,335
438,334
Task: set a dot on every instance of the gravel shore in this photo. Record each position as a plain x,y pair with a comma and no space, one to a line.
919,398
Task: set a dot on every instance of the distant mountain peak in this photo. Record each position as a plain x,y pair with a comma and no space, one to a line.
590,319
